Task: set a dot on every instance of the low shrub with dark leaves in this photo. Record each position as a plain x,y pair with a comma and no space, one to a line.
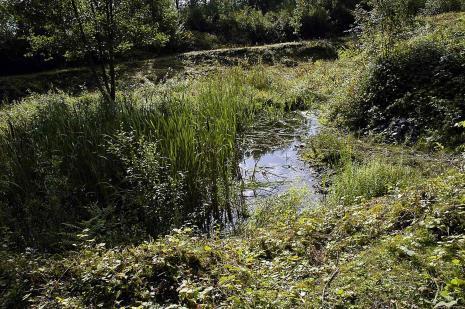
417,92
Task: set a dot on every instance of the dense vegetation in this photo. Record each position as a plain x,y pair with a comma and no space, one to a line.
42,34
398,98
134,199
159,158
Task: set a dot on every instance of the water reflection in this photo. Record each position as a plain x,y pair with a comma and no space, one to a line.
271,163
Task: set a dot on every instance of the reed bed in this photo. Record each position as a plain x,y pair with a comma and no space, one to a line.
160,158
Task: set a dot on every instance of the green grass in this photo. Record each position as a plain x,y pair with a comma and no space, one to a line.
331,148
375,178
391,233
165,156
404,248
134,74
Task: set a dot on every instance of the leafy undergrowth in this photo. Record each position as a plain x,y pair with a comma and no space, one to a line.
415,93
390,234
403,249
81,165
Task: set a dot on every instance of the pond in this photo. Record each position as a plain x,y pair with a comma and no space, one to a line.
271,164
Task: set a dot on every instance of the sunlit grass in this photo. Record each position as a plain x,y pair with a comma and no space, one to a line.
375,178
58,154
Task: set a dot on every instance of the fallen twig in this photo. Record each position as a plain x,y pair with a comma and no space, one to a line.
328,283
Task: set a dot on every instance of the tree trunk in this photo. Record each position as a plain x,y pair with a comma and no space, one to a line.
111,50
89,55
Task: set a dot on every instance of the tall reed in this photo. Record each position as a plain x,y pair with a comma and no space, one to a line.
161,158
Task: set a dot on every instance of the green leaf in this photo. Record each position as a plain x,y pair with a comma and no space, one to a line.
457,282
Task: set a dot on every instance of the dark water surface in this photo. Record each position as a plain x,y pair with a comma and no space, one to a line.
271,164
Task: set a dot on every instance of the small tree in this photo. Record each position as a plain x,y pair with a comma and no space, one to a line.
102,30
384,23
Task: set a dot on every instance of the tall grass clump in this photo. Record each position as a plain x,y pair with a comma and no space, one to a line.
161,158
377,177
331,148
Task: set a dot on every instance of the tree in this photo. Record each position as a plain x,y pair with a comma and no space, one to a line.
7,23
384,23
100,31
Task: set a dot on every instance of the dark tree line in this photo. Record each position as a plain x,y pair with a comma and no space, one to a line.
42,34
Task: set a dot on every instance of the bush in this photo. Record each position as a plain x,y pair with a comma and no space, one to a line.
323,18
313,22
268,23
441,6
415,92
251,26
195,40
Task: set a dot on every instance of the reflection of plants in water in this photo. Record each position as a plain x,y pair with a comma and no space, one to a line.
268,135
270,160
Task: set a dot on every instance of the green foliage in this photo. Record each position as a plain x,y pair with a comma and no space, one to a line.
265,21
405,248
162,158
384,24
330,149
375,178
50,30
195,40
45,34
7,25
392,233
243,25
136,24
414,92
312,18
442,6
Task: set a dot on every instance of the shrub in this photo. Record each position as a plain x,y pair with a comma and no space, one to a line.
383,24
313,21
249,25
415,92
255,22
195,40
331,149
441,6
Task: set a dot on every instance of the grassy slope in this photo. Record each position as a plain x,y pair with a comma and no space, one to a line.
150,71
402,248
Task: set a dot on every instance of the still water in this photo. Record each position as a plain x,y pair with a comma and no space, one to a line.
271,164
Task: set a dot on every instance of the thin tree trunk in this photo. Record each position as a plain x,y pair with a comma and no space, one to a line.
90,58
111,50
102,56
